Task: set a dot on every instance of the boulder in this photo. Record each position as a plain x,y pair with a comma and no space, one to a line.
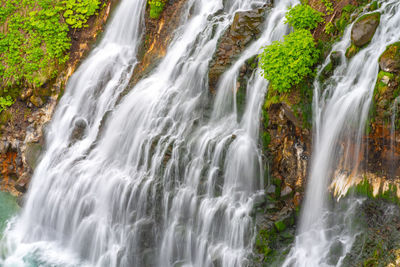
390,59
364,29
79,131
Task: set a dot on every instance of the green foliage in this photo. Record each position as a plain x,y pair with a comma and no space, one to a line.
329,28
77,12
286,63
5,102
345,18
328,6
303,17
156,8
34,41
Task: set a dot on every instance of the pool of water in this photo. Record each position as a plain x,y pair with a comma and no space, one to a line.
8,208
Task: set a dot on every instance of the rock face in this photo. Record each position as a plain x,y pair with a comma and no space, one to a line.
246,27
390,59
364,29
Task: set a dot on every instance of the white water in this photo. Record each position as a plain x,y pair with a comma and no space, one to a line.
158,179
341,108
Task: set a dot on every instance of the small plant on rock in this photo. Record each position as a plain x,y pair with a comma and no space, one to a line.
156,8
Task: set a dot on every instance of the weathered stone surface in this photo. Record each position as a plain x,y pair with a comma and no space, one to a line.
246,26
36,100
79,130
32,154
390,59
364,29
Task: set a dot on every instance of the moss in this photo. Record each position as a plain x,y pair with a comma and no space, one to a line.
352,51
5,116
345,19
365,189
373,6
280,226
377,16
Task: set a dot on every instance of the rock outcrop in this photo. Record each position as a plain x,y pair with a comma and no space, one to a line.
245,28
390,59
364,29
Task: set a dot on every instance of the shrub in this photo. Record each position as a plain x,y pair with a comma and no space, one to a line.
286,63
303,17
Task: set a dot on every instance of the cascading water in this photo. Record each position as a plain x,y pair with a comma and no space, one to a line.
155,180
341,107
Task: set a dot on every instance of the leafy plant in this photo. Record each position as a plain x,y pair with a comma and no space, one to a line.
34,40
5,102
156,8
329,28
328,6
303,17
77,12
286,63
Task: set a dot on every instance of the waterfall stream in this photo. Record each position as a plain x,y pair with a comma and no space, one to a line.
341,107
160,177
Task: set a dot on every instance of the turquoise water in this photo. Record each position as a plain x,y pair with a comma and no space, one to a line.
8,208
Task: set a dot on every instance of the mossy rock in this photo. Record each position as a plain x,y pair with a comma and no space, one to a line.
352,51
364,29
390,59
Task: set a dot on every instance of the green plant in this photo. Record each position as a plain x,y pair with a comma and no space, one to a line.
77,12
303,17
329,28
345,18
328,6
5,102
156,8
34,40
286,63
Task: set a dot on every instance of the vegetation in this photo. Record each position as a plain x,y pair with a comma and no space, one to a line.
328,6
286,63
156,8
34,40
303,17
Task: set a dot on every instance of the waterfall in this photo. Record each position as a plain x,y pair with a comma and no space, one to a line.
341,107
158,177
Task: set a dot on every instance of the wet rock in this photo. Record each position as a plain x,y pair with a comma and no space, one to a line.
390,59
246,26
22,183
364,29
79,130
4,146
336,58
286,191
270,189
26,94
32,154
36,100
247,23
